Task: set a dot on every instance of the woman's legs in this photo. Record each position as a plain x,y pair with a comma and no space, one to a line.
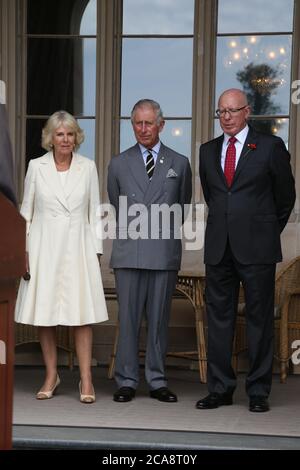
47,337
83,336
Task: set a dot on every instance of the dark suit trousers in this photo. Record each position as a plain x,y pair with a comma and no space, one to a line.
143,291
222,290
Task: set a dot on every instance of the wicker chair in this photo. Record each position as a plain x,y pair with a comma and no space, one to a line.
29,334
288,298
287,317
189,286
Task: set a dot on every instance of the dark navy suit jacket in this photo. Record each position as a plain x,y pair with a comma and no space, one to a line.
251,213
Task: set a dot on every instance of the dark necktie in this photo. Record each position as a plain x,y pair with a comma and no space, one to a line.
229,167
150,164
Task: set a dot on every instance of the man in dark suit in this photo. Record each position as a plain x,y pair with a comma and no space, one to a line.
6,162
145,177
249,189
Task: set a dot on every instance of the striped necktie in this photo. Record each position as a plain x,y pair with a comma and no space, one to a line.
150,164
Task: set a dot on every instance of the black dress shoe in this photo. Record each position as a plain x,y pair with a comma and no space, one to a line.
124,394
163,394
214,400
258,404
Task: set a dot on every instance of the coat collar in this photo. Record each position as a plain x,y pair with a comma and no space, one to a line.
246,152
51,177
163,163
137,168
218,153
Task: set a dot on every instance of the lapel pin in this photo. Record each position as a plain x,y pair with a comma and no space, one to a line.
161,160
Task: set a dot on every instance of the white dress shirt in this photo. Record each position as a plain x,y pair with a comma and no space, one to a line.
241,137
154,151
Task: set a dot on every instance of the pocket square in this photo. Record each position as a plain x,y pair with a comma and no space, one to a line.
171,173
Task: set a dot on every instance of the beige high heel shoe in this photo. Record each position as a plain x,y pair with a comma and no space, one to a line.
86,398
45,395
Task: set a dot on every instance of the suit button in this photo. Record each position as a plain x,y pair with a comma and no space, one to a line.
132,195
229,193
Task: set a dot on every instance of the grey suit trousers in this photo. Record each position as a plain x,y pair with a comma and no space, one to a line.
143,291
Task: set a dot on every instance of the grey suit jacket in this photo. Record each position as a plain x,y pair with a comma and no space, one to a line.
171,183
6,161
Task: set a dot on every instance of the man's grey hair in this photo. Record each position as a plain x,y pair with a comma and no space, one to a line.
147,103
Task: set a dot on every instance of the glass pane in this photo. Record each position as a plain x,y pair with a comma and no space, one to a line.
61,74
158,17
87,148
61,17
89,18
176,134
278,126
244,16
261,66
160,69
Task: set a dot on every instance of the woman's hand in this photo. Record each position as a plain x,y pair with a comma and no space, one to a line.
26,276
27,262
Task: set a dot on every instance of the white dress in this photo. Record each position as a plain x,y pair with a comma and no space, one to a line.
63,239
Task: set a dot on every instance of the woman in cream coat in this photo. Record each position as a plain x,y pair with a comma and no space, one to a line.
61,199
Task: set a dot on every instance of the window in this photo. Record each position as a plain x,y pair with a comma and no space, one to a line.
254,51
157,63
61,67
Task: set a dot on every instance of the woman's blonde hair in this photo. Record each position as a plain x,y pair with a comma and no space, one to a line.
57,119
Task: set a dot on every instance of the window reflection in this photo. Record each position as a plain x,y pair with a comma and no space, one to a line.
158,17
160,69
261,65
242,16
176,134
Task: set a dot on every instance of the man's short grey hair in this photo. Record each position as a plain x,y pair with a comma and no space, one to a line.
147,103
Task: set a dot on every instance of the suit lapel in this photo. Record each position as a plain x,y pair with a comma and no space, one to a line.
75,173
246,153
51,178
218,156
137,168
163,163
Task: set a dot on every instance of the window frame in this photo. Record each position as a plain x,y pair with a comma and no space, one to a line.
108,82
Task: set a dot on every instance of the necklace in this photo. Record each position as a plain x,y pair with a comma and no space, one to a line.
64,165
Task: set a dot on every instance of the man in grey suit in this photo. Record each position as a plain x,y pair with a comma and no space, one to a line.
146,260
6,162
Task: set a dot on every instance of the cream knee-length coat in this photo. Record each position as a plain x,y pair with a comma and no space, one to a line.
63,239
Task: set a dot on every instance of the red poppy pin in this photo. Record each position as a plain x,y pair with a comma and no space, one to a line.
251,146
